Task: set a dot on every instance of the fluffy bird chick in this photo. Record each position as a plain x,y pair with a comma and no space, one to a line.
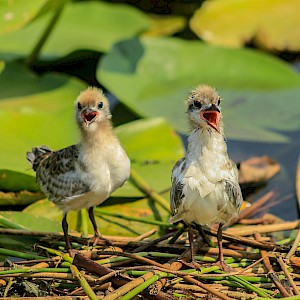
83,175
205,188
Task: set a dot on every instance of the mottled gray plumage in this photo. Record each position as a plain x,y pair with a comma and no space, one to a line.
57,172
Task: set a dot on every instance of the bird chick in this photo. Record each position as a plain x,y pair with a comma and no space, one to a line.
205,188
86,174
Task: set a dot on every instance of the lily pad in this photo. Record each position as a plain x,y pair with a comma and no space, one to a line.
270,23
165,25
153,147
153,76
17,14
150,141
103,25
21,198
34,111
23,220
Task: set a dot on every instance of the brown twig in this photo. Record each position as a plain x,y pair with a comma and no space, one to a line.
153,242
295,246
250,242
119,280
133,256
288,276
249,230
271,273
206,287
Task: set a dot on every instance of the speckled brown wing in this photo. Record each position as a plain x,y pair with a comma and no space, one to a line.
234,194
59,173
176,194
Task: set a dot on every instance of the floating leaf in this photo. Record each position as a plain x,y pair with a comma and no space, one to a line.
153,77
165,25
34,111
258,169
150,141
16,181
18,14
20,198
271,23
103,25
153,147
23,220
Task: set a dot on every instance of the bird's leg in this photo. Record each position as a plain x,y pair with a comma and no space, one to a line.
97,236
65,227
220,260
193,263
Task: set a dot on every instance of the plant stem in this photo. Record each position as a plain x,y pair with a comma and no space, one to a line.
14,253
83,283
84,222
99,211
141,287
32,270
33,56
144,186
4,222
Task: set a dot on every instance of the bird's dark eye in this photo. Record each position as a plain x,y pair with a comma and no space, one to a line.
197,104
79,106
100,105
219,101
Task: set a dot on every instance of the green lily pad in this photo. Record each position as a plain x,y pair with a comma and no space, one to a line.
103,25
153,77
20,198
270,23
150,140
18,14
34,111
153,148
23,220
16,181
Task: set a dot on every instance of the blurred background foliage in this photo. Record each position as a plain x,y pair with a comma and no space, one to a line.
147,56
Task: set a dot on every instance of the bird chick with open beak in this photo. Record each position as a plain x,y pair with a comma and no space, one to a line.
86,174
205,188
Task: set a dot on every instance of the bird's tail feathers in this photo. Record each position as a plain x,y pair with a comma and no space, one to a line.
35,152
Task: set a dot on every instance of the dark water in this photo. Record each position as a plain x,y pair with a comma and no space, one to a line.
283,184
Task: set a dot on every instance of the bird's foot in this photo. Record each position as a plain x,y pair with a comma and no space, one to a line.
96,239
72,252
223,266
192,264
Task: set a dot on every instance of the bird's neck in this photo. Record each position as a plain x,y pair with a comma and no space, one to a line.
98,137
206,146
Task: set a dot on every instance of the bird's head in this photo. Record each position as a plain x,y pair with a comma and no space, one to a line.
91,109
204,108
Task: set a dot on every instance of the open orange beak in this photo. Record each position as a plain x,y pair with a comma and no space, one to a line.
89,117
211,117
